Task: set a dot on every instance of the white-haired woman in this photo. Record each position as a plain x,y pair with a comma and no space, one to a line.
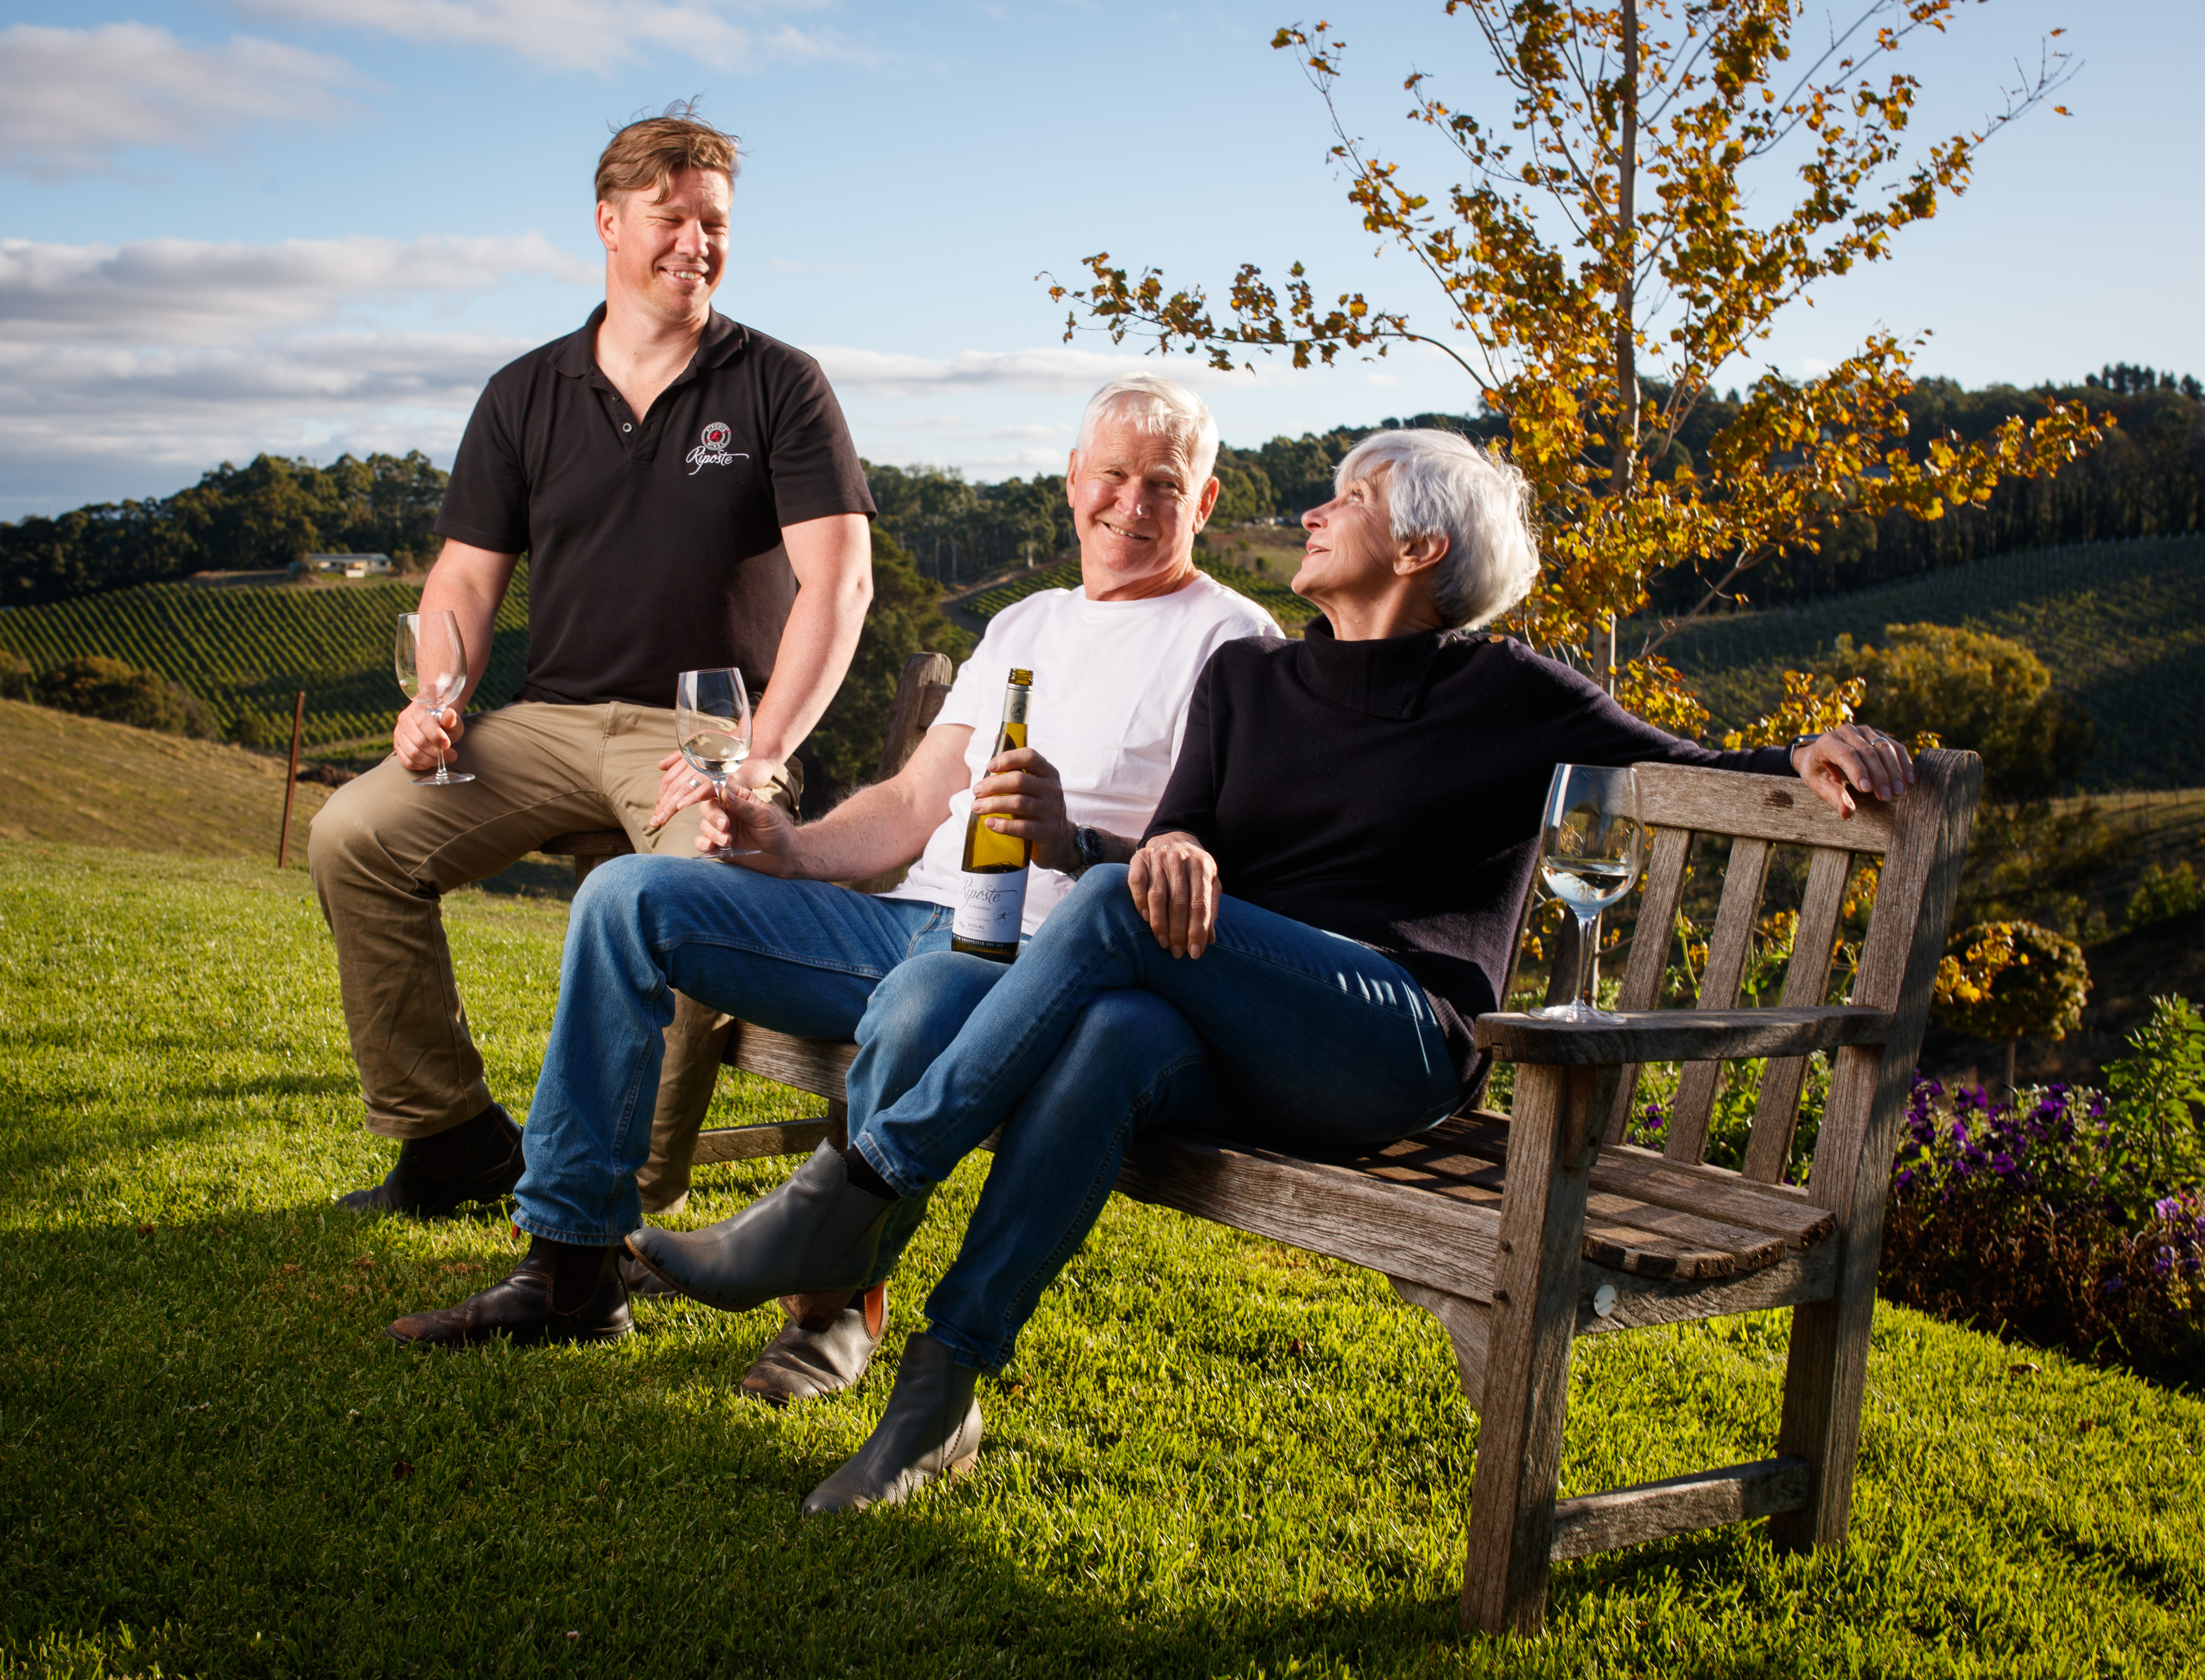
1348,830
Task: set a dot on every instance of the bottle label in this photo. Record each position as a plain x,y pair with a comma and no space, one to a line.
990,909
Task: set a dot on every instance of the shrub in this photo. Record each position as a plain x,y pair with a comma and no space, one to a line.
2159,1087
2010,979
120,693
16,682
2161,896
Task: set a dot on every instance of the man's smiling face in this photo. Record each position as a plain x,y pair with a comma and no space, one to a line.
1134,505
664,253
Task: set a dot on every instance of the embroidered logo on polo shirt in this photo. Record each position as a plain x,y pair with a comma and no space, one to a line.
711,449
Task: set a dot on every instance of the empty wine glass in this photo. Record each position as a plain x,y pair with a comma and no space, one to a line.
1590,842
432,670
712,728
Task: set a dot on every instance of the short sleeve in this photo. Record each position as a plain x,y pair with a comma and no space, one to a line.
974,699
486,502
813,464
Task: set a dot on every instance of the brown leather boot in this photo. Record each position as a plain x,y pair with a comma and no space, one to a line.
819,1354
560,1292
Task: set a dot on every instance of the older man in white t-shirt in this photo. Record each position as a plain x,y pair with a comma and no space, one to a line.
773,942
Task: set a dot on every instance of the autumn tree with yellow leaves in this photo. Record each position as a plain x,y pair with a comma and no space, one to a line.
1601,262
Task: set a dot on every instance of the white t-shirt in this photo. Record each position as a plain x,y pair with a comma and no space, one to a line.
1111,683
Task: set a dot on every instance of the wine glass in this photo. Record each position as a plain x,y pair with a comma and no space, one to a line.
1591,843
432,670
712,728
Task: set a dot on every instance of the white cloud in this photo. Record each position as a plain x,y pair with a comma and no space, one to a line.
589,34
1056,369
132,369
71,99
181,292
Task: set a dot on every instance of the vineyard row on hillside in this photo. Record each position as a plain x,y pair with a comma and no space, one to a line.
2120,624
248,651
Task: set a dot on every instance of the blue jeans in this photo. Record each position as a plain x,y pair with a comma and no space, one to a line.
1279,1033
800,956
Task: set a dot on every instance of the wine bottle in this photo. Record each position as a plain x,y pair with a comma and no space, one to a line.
991,905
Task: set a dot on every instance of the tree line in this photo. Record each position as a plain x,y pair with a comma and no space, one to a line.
262,515
2146,479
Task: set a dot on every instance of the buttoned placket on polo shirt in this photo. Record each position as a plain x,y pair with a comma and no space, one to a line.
641,442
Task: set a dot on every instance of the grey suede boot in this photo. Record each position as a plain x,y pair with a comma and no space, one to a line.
930,1429
818,1231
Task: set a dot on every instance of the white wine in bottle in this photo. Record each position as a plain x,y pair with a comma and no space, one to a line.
993,900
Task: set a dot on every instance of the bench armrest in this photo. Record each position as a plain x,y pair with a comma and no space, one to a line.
1680,1034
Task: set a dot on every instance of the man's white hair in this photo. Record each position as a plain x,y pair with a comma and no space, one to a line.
1442,484
1150,403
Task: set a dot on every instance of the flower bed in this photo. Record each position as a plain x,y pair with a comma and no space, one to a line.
2026,1217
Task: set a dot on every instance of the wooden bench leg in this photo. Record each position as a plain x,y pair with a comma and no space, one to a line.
1554,1138
1826,1372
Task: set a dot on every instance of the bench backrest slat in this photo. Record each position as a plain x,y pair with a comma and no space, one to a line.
1814,949
1685,1137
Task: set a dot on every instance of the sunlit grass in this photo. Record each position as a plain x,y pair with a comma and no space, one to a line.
1213,1455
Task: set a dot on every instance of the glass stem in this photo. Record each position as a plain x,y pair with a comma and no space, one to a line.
1588,938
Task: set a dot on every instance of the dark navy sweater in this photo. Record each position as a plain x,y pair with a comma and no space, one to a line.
1390,791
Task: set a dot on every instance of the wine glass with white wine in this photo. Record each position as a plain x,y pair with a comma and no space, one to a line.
1590,844
712,728
432,671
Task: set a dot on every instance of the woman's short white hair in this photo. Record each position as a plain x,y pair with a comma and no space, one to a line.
1153,404
1442,484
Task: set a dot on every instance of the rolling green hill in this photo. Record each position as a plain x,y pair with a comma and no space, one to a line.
2121,624
250,650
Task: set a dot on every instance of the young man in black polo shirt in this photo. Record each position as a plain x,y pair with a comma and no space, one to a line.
688,496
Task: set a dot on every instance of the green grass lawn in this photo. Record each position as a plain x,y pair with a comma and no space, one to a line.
1213,1456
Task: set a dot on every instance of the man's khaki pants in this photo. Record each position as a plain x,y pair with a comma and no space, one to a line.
384,852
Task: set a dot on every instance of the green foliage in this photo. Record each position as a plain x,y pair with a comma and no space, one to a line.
2159,1097
1213,1456
120,693
952,530
2120,627
906,618
2162,895
1990,694
17,679
250,650
1289,609
2018,981
261,515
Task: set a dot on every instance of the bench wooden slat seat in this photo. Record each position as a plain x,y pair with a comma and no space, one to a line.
1522,1231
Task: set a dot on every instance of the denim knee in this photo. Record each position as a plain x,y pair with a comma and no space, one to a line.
1100,904
621,893
927,997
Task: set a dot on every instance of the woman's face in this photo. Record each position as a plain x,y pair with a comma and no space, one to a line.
1350,551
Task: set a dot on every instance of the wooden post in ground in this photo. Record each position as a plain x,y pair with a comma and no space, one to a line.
291,776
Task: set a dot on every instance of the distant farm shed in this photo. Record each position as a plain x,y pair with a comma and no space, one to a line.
352,565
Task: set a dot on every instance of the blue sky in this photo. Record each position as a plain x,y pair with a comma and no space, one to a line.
307,226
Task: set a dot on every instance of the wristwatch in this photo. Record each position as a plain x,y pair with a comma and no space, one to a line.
1087,849
1791,747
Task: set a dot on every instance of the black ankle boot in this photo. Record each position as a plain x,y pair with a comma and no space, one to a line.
560,1292
476,1160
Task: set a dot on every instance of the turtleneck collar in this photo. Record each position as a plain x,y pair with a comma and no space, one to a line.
1385,678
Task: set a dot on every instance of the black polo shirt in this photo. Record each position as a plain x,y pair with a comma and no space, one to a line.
653,544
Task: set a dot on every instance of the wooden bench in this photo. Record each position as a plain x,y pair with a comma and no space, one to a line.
1522,1231
921,688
